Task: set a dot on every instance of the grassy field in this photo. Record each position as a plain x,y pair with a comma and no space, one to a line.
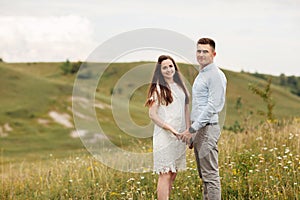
262,165
40,159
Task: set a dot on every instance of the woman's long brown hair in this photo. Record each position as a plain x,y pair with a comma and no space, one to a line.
164,96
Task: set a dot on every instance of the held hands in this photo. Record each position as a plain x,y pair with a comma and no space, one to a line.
186,137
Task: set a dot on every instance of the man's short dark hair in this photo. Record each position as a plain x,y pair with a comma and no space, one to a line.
209,41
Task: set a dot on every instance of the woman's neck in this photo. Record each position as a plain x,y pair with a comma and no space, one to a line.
170,81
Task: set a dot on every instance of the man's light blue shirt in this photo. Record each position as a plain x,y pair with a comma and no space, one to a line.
208,96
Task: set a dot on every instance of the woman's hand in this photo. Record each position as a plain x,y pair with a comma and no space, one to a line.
174,132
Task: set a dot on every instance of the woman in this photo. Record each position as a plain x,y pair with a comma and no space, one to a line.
168,103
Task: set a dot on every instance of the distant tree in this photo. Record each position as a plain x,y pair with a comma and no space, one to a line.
75,67
258,75
292,81
296,92
238,104
1,60
282,80
70,68
265,94
66,67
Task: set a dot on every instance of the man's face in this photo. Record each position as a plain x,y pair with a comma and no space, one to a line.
205,54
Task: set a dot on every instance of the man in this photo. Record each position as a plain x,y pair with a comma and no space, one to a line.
208,99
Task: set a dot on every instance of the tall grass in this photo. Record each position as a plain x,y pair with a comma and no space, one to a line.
262,164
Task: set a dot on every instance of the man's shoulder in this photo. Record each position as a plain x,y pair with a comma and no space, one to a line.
221,72
215,75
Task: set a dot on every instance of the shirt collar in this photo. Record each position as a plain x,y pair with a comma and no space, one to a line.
207,67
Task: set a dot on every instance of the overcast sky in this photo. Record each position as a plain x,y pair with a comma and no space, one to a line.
255,36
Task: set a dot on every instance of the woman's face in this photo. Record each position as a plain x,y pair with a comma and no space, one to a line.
167,69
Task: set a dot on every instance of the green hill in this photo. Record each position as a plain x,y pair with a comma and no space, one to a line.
30,92
26,100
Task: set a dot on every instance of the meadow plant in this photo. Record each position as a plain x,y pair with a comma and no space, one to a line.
263,164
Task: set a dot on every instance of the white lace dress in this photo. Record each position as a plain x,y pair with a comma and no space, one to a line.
168,151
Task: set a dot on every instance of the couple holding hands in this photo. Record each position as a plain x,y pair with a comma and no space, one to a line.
168,102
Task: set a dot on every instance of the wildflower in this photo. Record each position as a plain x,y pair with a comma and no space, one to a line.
131,179
234,171
279,158
286,150
250,171
113,193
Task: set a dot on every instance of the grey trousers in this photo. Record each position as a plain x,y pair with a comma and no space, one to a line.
206,153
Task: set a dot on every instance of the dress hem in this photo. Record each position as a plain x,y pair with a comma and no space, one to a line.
166,170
